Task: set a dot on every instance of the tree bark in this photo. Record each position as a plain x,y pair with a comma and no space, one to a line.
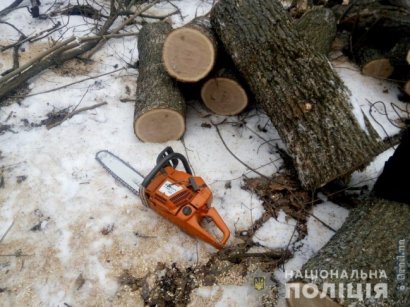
374,25
190,52
318,28
297,87
159,109
374,237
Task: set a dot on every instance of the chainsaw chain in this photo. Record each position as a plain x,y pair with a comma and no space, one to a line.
136,192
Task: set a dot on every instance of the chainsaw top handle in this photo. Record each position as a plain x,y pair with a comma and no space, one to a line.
165,158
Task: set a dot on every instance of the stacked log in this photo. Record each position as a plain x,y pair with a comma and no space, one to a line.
159,109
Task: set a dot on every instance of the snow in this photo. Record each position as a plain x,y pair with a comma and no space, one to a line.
74,199
266,235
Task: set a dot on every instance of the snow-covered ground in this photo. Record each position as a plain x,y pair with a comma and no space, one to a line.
69,220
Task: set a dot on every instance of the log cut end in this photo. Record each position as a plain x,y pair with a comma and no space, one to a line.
159,125
224,96
188,54
408,57
407,87
380,68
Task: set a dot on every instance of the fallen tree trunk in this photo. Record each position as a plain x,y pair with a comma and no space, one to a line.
223,94
159,109
297,87
190,52
318,29
374,238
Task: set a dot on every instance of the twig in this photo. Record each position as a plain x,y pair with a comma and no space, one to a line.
36,59
14,27
10,7
75,112
7,231
160,17
68,85
239,160
120,27
68,114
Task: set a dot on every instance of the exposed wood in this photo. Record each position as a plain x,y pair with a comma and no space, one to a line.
159,109
408,57
223,94
371,239
189,52
318,28
296,86
407,87
373,63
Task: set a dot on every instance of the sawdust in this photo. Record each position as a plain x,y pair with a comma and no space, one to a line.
70,68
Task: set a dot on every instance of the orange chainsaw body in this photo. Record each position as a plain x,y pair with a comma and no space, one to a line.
184,200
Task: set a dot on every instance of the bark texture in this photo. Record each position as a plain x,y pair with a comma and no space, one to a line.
297,87
318,28
159,104
374,235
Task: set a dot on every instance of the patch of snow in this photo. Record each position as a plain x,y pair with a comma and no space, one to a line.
277,233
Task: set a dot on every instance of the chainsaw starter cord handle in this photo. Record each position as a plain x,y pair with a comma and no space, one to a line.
163,162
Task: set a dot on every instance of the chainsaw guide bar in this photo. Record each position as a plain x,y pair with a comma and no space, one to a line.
120,170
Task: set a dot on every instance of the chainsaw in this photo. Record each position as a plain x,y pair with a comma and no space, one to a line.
176,195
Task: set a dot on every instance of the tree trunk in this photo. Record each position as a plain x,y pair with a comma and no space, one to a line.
374,238
297,87
318,28
373,24
223,94
189,52
159,109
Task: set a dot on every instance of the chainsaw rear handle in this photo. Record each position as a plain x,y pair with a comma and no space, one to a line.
219,223
167,155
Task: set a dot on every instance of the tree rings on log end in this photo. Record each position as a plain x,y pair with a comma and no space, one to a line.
224,96
380,68
188,54
159,125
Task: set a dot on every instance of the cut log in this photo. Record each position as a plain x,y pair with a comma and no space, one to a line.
298,89
223,94
399,53
374,238
318,28
159,109
373,24
372,63
406,88
189,52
